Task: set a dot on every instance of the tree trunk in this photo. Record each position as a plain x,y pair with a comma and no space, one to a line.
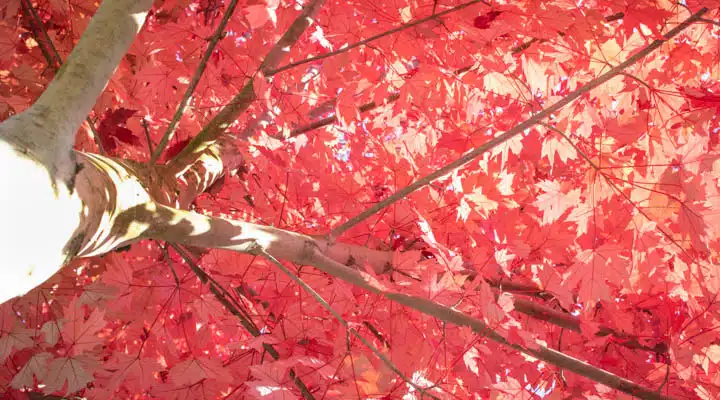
49,202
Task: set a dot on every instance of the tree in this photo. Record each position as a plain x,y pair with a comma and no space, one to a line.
359,200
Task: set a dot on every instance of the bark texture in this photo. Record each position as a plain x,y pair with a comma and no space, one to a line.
45,219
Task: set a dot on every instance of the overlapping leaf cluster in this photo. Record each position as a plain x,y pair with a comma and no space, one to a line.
605,212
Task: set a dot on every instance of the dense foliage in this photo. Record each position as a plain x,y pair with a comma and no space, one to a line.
606,212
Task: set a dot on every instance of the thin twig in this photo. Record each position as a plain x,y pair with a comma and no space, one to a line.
226,299
147,135
710,21
615,187
54,60
456,317
345,324
496,141
212,43
332,119
374,38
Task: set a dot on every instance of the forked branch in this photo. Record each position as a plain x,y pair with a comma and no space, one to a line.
226,299
200,230
241,102
214,39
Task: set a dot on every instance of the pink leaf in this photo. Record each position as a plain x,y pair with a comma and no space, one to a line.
259,15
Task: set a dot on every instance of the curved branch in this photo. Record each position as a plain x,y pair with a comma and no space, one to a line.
194,229
68,99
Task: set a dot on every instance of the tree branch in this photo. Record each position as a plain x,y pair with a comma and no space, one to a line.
219,124
36,157
214,39
228,301
394,97
130,217
496,141
68,99
194,229
347,326
332,119
374,38
52,56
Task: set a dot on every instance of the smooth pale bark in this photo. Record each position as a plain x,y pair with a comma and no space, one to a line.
43,220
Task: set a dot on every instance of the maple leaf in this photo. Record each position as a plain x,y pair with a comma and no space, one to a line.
554,147
471,359
71,373
270,380
259,14
15,339
593,270
78,332
132,372
51,329
510,389
196,369
7,42
713,353
318,36
35,368
483,21
513,145
483,205
265,391
495,312
9,8
112,129
555,201
702,97
445,288
627,129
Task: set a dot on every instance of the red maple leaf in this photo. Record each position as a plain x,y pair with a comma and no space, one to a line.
112,129
78,331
